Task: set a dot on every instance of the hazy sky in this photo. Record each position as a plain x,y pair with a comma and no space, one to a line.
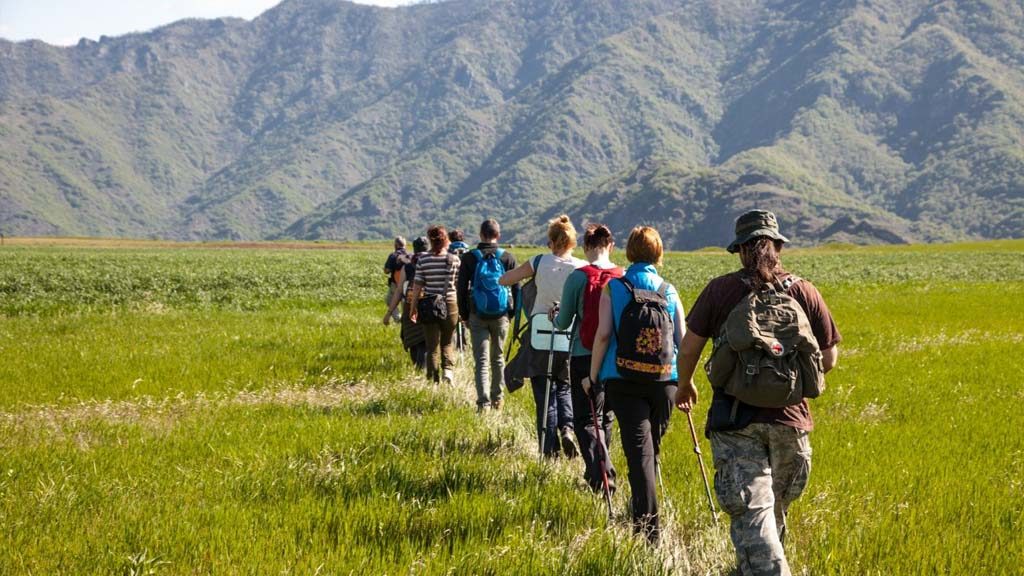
65,21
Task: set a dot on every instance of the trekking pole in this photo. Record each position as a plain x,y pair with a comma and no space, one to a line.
703,472
460,341
547,392
598,431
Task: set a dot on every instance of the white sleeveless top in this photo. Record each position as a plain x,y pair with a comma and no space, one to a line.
550,275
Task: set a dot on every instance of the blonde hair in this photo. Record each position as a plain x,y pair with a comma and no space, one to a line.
644,245
561,234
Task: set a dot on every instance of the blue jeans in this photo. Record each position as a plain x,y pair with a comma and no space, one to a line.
559,410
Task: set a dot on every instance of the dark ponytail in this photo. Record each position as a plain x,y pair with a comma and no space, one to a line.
596,237
760,258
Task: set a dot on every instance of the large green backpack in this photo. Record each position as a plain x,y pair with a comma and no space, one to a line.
765,354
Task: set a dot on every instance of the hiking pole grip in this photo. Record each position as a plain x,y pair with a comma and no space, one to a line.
703,471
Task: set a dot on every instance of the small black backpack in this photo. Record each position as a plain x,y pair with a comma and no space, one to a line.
645,350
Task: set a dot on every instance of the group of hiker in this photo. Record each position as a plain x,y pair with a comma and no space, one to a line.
601,343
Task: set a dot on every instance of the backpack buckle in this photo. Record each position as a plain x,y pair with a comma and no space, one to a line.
751,369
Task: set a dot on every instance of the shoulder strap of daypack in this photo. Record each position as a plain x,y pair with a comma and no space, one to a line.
479,256
781,286
627,284
449,260
535,263
788,283
746,279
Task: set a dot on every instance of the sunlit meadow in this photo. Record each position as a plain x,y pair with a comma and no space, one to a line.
173,409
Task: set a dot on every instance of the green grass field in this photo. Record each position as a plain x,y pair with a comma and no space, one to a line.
171,409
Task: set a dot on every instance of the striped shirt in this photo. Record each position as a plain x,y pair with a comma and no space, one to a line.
437,272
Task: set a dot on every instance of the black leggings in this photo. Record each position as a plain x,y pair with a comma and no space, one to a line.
593,453
643,410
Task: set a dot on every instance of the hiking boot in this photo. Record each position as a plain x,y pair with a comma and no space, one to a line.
497,405
483,408
568,443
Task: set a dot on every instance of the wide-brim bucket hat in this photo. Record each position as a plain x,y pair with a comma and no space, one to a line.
754,224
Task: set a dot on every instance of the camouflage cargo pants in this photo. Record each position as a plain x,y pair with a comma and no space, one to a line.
759,471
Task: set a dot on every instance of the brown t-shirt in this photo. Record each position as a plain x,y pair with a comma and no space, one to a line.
705,319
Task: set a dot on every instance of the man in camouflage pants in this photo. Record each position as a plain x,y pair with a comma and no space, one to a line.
759,471
762,455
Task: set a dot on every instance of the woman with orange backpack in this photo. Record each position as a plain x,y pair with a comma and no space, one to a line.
581,297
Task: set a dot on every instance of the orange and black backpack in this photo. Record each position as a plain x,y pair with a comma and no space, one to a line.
645,351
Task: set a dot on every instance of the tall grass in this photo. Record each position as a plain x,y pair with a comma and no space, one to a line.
209,411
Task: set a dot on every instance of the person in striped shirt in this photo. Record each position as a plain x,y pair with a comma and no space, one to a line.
436,273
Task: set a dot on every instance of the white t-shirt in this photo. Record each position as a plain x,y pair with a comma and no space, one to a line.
550,274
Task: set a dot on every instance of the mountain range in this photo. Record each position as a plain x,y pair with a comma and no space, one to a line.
854,120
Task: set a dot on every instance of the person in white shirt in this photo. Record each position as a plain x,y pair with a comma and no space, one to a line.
549,272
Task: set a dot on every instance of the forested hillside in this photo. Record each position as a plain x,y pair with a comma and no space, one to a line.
855,120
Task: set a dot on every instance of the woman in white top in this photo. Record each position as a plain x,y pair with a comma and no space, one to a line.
549,272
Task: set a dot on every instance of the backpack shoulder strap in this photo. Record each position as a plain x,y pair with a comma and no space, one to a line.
535,263
479,257
449,259
783,286
789,282
746,279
